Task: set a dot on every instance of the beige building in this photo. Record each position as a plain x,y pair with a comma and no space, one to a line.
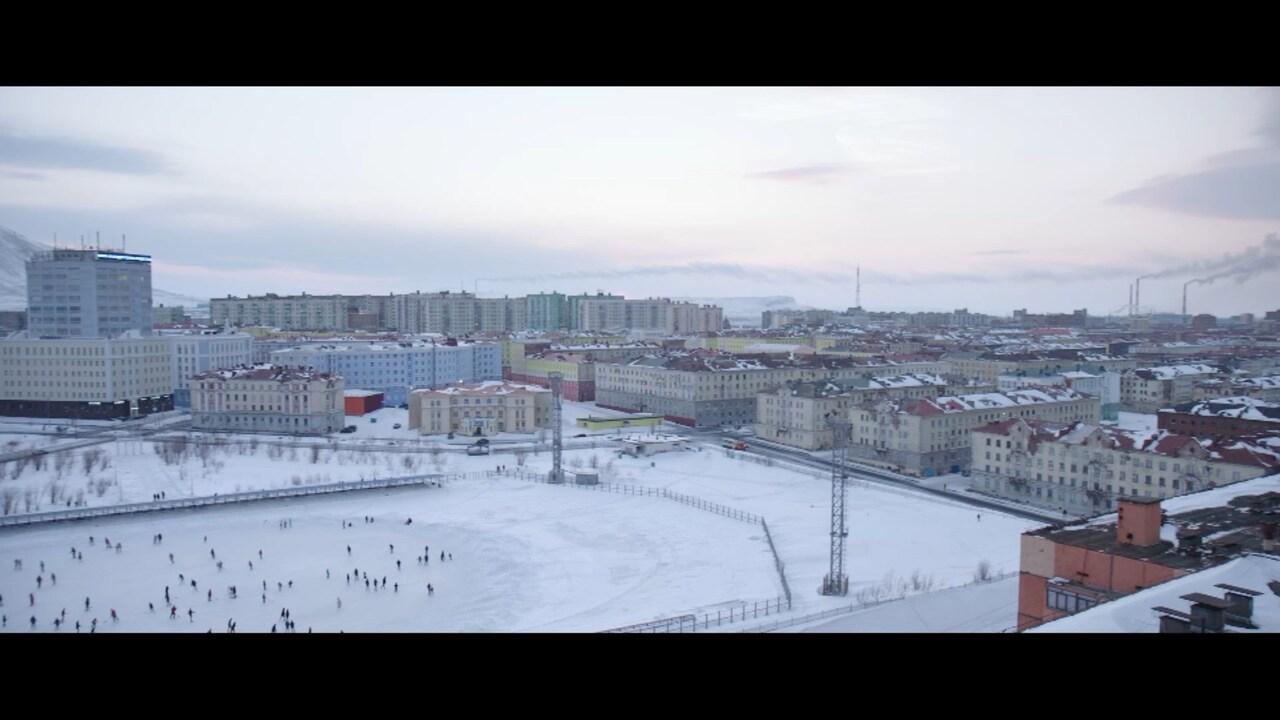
931,436
86,377
1083,469
267,398
1149,389
479,409
797,413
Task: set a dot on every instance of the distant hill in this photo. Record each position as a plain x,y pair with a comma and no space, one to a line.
14,252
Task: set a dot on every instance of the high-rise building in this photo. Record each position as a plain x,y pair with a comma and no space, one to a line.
88,294
547,311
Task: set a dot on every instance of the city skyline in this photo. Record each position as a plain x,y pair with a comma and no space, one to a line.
991,199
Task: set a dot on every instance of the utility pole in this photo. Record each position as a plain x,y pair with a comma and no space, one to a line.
836,582
557,473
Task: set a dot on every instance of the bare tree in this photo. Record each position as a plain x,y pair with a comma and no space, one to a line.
9,498
315,454
983,573
521,455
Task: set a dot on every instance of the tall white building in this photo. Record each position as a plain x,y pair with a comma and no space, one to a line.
88,293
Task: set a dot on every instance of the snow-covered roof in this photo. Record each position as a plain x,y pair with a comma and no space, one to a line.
265,371
1135,614
1242,408
486,388
1169,372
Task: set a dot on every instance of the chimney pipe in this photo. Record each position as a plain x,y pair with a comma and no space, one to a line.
1137,296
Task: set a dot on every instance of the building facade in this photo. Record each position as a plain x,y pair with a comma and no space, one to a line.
88,293
396,368
1146,390
1083,469
196,352
932,437
267,398
85,378
480,409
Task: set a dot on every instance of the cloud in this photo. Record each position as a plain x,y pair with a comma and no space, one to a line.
780,275
1002,251
69,153
22,175
1239,184
819,174
1246,192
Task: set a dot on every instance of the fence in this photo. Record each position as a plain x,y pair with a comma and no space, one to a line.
219,499
777,562
854,607
639,490
744,612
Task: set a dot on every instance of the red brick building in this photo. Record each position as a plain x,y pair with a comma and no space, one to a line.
359,402
1221,417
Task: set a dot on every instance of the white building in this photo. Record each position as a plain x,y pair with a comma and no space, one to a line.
646,445
196,352
88,293
395,368
87,378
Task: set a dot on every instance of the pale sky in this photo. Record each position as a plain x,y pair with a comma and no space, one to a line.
991,199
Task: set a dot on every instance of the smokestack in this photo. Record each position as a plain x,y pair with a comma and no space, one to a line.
1137,296
1130,299
857,293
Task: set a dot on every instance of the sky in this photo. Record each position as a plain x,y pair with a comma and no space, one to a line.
1048,199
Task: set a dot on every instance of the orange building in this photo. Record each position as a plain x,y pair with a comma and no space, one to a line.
1065,570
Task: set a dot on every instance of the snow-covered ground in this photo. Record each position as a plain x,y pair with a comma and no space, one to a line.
980,607
893,534
526,557
538,557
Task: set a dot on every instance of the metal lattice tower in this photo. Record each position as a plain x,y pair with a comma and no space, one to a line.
836,582
557,473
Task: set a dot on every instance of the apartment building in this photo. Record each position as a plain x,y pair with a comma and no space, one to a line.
797,412
267,398
932,436
1225,417
1104,386
990,366
88,293
1083,469
702,388
287,312
396,368
198,351
480,409
85,378
547,311
1147,390
1265,388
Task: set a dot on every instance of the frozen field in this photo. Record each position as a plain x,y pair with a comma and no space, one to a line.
537,557
526,557
893,534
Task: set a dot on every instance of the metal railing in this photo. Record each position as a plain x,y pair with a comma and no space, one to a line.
639,490
737,613
220,499
777,562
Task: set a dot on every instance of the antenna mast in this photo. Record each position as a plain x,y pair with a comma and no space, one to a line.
557,473
836,582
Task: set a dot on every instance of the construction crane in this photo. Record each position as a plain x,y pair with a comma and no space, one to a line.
836,582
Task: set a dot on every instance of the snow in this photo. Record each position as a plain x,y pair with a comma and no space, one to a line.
1134,613
531,557
980,607
525,558
1140,422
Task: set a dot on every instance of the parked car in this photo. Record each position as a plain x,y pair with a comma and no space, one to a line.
396,426
478,450
580,435
373,420
482,442
348,429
